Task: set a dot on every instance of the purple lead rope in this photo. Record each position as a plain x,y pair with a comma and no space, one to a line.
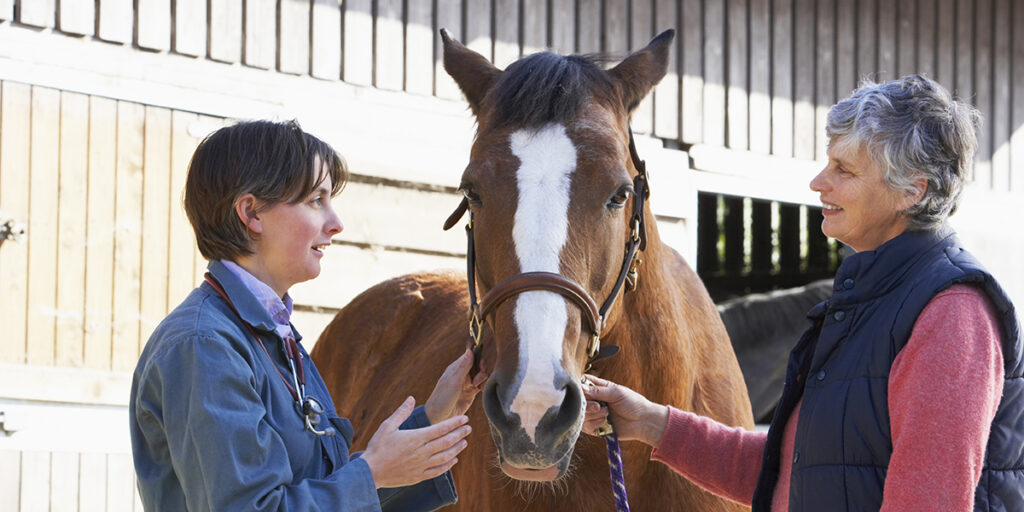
615,468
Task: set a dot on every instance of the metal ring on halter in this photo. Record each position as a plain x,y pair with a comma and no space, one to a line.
476,325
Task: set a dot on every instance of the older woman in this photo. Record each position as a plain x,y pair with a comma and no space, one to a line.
907,391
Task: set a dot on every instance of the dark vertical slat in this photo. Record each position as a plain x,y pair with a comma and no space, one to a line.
293,52
707,234
226,30
588,37
761,237
944,62
804,86
734,235
789,239
760,77
983,92
886,19
906,40
817,243
563,26
690,35
867,39
535,26
736,97
782,77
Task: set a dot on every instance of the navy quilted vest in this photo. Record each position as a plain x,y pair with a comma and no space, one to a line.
840,367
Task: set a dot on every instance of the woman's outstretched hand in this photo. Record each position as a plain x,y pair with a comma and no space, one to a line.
454,391
404,457
633,416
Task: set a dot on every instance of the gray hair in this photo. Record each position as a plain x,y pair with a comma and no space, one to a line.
912,128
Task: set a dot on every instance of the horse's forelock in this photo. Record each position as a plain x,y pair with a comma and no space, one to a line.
547,88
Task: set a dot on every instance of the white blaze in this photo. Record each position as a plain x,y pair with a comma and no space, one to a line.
547,159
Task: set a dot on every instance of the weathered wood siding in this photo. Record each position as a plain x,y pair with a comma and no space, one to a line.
102,103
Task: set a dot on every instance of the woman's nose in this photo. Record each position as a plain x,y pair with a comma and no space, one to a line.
817,183
333,225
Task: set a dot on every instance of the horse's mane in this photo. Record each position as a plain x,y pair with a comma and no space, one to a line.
544,88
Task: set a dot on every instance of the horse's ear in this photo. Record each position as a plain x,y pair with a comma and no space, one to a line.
472,71
639,72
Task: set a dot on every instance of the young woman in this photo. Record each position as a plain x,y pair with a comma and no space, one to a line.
227,410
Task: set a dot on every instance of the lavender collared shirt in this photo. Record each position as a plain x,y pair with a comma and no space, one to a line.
280,309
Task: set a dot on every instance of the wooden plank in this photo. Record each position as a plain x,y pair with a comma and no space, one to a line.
714,73
906,37
1017,123
535,26
260,48
100,229
506,33
389,65
156,185
180,235
825,81
116,21
190,24
72,234
616,28
449,16
64,476
867,40
666,92
588,33
760,77
293,27
926,37
944,66
378,215
804,52
983,92
6,10
35,480
846,48
120,482
886,22
92,481
310,323
42,226
326,40
737,101
37,13
361,268
16,120
642,18
782,78
478,29
153,24
563,26
999,118
77,17
964,77
10,485
226,30
128,236
419,48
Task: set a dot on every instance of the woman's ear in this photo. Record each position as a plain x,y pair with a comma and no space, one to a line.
246,207
915,195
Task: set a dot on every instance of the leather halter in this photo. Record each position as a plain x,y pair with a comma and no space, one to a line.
552,282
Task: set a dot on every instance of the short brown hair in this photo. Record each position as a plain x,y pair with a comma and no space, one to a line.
276,162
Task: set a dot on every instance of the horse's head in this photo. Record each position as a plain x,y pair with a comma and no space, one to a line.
550,187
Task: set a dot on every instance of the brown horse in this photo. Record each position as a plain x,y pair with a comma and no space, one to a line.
549,187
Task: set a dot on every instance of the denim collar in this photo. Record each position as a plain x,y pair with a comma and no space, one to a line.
250,297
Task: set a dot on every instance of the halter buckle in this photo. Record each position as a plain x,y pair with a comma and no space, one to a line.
476,325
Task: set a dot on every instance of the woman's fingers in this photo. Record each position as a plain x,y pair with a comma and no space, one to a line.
400,414
444,442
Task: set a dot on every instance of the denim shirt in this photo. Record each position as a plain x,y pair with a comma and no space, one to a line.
214,427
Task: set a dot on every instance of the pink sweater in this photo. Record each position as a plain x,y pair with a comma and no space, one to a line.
940,426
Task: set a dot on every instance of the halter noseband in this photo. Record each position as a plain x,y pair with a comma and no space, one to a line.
549,281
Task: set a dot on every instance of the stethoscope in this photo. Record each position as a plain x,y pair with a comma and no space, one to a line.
309,407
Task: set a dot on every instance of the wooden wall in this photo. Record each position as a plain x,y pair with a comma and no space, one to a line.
102,102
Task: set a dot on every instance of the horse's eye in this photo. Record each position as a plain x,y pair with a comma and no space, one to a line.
470,194
619,199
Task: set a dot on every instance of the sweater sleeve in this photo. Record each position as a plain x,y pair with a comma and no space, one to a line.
723,460
944,388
